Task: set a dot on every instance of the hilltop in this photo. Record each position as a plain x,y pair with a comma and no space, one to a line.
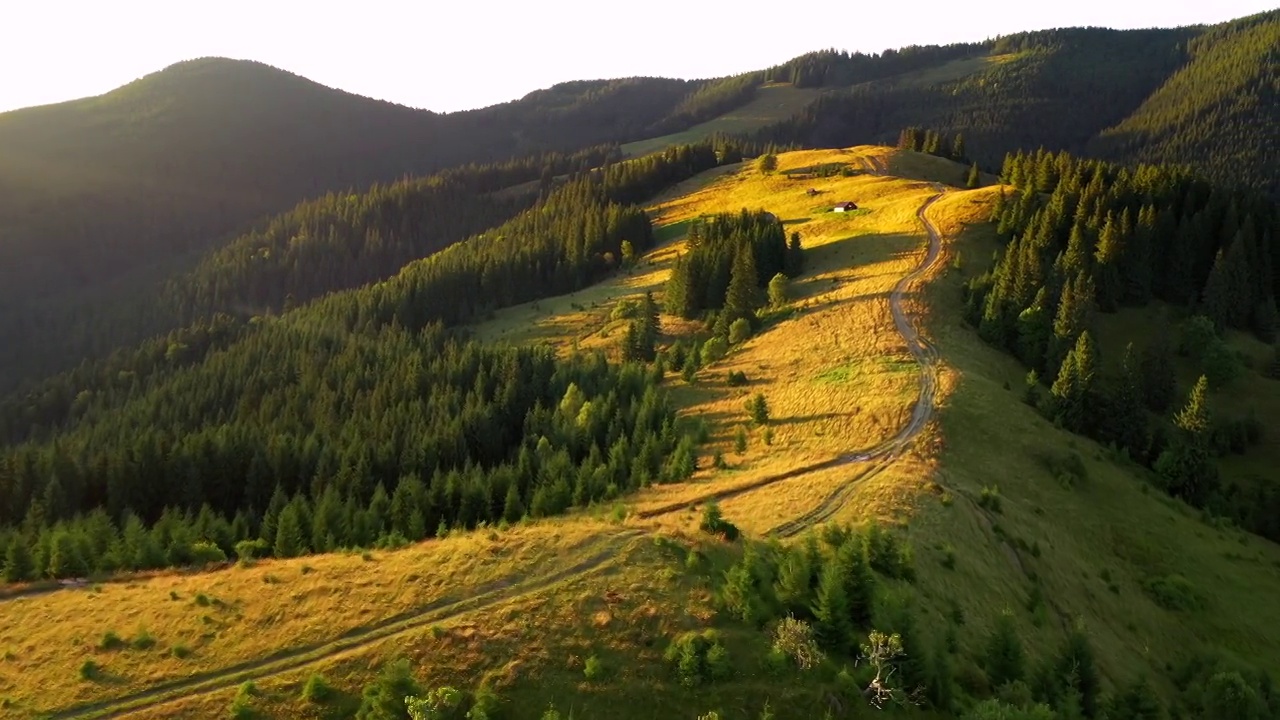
986,506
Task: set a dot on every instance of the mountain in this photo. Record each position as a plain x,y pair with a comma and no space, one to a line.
1203,96
103,197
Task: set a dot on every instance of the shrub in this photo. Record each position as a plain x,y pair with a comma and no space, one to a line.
776,662
89,670
241,705
625,309
594,668
698,657
173,595
713,522
110,641
948,556
202,600
737,378
714,349
204,553
143,640
247,550
990,499
180,651
385,697
739,331
1173,592
740,440
317,689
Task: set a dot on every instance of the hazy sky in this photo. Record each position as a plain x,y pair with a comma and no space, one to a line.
458,54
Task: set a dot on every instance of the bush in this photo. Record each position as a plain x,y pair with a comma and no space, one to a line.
241,705
204,553
714,349
593,669
202,600
737,378
317,689
625,309
1173,592
89,670
247,550
698,658
990,499
143,640
739,331
110,641
713,522
180,651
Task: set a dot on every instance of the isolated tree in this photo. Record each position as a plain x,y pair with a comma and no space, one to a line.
974,178
628,253
758,409
740,440
779,290
767,164
881,652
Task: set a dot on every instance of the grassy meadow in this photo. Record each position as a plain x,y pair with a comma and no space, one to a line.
1001,509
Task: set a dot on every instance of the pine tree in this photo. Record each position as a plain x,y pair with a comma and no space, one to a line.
18,563
1128,410
758,409
974,178
65,558
794,584
795,256
1108,256
1073,389
958,149
831,609
289,538
860,581
1077,670
1004,658
740,298
1185,467
513,506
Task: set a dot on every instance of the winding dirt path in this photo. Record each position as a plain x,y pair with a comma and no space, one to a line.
880,456
490,594
291,659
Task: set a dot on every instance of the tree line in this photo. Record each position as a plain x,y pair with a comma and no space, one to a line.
225,413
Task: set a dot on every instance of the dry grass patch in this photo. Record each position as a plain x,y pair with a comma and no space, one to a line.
248,613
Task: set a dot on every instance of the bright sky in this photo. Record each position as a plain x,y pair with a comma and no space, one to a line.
458,54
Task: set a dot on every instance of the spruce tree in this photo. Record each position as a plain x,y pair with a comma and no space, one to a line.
795,256
740,298
758,409
779,291
289,538
860,581
831,610
1077,671
65,557
18,563
1004,659
513,506
958,149
1072,391
974,178
1185,466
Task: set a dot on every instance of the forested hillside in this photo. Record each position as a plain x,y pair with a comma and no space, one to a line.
102,198
1218,112
1087,237
1200,96
225,413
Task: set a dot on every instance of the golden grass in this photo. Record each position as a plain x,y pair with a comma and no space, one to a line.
250,612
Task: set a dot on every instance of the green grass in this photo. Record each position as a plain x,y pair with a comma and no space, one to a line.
771,104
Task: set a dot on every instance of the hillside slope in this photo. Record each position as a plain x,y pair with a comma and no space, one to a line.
1000,510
